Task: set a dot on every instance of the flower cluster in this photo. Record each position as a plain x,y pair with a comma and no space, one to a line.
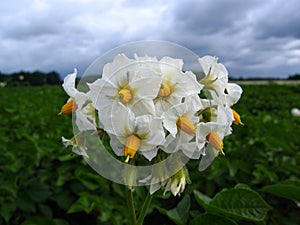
151,108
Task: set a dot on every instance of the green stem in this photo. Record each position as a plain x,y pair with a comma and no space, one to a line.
144,209
130,205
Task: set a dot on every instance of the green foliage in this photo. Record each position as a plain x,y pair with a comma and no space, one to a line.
239,202
257,182
180,214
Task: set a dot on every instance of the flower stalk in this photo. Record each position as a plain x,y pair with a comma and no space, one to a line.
130,205
133,220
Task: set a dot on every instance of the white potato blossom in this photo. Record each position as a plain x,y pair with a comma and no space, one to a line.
127,85
295,112
150,109
81,105
175,84
130,134
216,77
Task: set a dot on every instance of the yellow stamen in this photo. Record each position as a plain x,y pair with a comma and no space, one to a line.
186,125
214,139
132,144
237,118
69,107
124,95
164,90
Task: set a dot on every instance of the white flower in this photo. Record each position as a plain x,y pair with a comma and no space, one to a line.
215,134
214,111
181,122
175,84
80,103
126,85
77,144
234,92
295,112
216,76
130,134
3,84
176,184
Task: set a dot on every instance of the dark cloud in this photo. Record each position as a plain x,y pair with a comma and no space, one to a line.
280,19
209,17
251,38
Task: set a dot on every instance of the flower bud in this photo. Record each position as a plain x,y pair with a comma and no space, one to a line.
177,182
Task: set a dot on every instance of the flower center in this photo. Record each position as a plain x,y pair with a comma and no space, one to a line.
214,139
164,90
186,125
124,95
208,81
132,144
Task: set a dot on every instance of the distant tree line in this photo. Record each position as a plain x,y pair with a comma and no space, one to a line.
290,77
294,77
35,78
38,78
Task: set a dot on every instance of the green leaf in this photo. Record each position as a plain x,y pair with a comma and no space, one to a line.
60,222
91,180
7,211
8,189
38,192
289,191
242,186
24,203
240,203
38,220
212,219
83,204
203,200
45,210
63,199
180,214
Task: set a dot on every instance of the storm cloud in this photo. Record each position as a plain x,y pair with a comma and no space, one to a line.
251,38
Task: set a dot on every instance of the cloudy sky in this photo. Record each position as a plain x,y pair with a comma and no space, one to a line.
251,38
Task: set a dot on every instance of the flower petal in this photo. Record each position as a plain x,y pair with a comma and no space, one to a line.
69,84
146,87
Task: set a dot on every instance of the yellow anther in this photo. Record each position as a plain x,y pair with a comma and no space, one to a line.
164,90
186,125
132,145
124,95
237,118
214,139
69,107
